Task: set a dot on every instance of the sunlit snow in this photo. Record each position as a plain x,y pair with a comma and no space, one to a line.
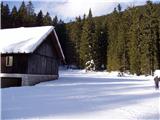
80,95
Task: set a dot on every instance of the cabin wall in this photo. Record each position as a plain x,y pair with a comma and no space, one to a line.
20,63
44,60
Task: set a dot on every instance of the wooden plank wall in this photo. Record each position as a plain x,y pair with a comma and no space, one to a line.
20,63
44,60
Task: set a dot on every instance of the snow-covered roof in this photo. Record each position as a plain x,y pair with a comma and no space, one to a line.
25,39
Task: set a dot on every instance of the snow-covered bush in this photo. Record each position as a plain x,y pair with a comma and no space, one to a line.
90,65
157,73
120,74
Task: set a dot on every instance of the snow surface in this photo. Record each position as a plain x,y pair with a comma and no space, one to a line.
23,40
157,73
80,95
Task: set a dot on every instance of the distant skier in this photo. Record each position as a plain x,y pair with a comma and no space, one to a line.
156,81
157,78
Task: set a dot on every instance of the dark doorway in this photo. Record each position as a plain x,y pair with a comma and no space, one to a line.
10,82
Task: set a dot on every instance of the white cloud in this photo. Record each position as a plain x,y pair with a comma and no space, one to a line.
69,9
72,8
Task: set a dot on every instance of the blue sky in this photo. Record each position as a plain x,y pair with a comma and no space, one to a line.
68,9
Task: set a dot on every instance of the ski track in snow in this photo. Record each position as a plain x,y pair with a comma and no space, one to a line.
80,95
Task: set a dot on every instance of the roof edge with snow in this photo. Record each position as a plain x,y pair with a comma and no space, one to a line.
25,39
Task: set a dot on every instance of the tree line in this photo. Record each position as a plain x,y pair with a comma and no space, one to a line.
24,16
126,40
123,40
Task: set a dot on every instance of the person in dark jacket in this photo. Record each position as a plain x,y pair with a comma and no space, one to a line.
156,81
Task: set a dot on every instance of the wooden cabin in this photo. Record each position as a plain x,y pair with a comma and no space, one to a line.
29,55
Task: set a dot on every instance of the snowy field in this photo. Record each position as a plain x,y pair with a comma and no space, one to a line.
80,95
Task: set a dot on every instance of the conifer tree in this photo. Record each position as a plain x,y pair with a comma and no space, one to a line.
100,44
87,40
134,44
103,45
61,32
39,19
55,21
47,19
122,41
84,45
71,45
31,16
76,32
112,56
14,17
30,8
149,61
119,7
22,14
5,16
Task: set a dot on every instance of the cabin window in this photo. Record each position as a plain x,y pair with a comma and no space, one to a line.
9,61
